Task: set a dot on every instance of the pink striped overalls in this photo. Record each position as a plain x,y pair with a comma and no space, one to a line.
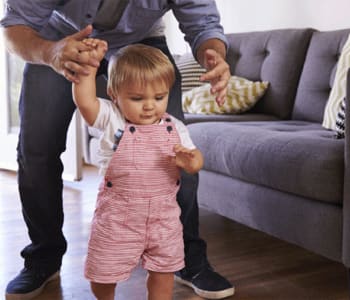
137,215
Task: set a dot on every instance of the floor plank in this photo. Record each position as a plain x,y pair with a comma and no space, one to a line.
260,266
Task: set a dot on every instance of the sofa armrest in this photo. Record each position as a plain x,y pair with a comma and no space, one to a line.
346,196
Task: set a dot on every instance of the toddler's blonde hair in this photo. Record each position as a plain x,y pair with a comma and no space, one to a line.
141,64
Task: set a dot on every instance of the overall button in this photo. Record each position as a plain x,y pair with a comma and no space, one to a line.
169,128
109,184
178,182
168,120
132,129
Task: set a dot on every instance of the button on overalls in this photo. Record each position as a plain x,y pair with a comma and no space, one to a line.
137,215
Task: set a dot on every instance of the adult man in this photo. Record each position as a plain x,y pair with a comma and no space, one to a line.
48,36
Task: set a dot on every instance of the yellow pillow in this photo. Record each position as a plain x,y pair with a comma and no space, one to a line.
242,94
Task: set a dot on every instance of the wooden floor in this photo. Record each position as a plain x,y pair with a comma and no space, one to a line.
261,267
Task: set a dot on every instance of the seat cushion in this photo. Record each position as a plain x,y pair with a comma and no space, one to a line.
297,157
245,117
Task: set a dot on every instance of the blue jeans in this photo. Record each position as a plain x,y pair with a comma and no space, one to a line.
46,108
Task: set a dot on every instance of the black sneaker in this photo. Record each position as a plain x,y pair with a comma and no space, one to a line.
29,283
207,284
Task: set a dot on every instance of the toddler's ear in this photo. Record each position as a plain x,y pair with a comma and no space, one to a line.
111,94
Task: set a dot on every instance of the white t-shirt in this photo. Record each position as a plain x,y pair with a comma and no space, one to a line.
110,119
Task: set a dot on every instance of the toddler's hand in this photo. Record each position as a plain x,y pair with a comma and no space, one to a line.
98,48
183,156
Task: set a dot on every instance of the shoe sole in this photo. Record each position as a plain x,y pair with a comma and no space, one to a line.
205,294
34,293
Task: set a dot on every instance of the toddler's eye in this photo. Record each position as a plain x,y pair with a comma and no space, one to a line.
159,98
136,98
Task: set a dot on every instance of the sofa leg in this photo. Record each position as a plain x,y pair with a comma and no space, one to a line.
348,269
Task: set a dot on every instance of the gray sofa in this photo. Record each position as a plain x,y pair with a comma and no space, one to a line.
275,168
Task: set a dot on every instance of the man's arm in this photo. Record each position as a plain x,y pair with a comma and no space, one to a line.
64,56
200,22
27,44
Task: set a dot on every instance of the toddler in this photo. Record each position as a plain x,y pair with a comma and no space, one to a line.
142,150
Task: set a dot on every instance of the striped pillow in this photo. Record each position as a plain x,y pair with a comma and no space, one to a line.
242,94
338,91
190,71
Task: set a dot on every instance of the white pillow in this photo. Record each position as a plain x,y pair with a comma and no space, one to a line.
338,91
242,94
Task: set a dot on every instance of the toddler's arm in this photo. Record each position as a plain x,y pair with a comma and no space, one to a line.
84,91
191,160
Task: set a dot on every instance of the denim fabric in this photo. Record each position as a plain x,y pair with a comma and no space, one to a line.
46,108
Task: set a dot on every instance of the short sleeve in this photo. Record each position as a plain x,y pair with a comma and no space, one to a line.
108,114
184,134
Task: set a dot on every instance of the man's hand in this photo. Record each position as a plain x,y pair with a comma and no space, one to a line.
65,55
218,74
211,54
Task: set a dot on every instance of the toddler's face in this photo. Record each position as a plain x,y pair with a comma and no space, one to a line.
143,105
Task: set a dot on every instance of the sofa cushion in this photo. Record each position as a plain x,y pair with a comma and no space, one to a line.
245,117
297,157
318,74
271,56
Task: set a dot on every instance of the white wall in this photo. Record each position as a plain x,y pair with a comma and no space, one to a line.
255,15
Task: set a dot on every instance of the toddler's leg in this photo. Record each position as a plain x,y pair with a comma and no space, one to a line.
103,291
160,285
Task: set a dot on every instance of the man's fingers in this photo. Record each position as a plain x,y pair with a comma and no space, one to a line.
212,74
220,81
220,70
218,76
221,97
75,68
83,47
211,57
82,34
70,76
80,56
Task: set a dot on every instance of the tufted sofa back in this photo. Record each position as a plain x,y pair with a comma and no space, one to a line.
318,74
276,56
